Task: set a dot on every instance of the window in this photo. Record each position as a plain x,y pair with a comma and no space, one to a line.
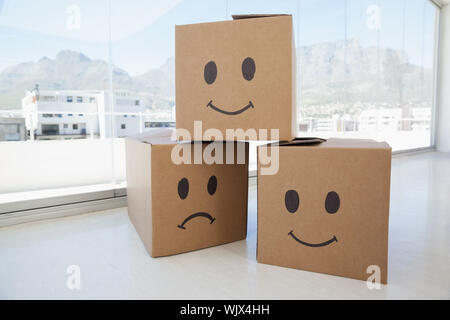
46,98
127,102
365,69
12,129
49,130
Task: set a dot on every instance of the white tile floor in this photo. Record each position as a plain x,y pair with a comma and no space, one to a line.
34,257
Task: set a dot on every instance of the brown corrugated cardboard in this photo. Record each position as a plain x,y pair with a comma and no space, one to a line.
237,74
179,208
327,208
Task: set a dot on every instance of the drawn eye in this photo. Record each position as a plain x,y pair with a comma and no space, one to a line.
183,188
212,185
332,202
248,68
210,73
291,200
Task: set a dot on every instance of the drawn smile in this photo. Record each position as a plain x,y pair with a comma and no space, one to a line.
230,113
196,215
314,245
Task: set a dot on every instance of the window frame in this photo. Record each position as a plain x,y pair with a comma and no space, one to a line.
30,210
436,57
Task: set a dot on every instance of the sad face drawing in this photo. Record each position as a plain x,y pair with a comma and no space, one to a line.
183,192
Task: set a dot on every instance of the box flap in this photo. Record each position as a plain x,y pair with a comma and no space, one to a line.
155,136
303,141
333,143
252,16
354,143
164,137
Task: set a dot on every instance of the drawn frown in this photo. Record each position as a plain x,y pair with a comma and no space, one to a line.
183,192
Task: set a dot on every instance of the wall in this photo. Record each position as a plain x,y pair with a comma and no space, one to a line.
27,166
40,165
443,98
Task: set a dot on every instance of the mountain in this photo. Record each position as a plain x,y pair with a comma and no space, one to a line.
340,72
69,70
72,70
159,81
346,72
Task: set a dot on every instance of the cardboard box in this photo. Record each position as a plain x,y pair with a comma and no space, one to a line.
179,208
237,74
327,208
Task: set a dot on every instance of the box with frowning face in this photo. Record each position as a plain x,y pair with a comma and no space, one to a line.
237,74
177,208
327,208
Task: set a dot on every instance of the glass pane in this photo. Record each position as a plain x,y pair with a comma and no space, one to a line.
54,82
54,71
143,46
81,75
143,56
366,70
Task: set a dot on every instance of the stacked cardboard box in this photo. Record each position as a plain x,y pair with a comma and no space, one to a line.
326,206
237,74
182,207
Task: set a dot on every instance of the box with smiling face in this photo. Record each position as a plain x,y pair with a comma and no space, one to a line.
237,74
327,208
180,208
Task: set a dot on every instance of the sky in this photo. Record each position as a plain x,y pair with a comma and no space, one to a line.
142,31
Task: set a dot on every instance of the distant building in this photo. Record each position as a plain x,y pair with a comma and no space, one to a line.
83,113
324,125
421,119
12,129
382,119
159,124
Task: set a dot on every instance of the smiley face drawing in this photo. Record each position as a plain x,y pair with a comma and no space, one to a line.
327,208
332,204
236,74
248,73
